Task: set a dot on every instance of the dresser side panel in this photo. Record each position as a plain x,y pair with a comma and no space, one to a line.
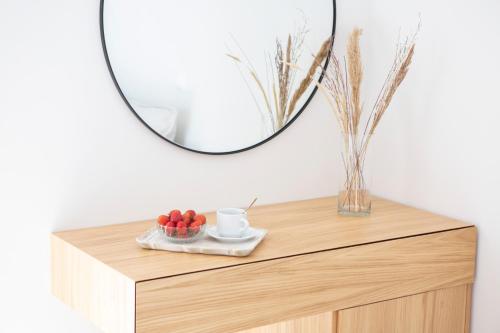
102,295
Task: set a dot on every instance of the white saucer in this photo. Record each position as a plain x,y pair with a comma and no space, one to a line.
249,234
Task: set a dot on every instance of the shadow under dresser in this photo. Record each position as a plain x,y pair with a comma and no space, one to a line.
399,270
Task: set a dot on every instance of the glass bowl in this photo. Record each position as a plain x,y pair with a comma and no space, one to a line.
173,235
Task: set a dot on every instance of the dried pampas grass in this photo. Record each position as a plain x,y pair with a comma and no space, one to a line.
306,82
355,70
280,98
342,88
342,85
397,74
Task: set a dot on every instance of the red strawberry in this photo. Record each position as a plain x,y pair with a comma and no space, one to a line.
201,218
196,223
175,215
194,228
186,219
163,220
191,213
170,228
182,232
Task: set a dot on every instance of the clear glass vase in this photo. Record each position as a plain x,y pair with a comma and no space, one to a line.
354,195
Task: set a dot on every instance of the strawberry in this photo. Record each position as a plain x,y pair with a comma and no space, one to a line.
196,224
194,228
182,232
191,213
175,215
201,218
162,220
170,228
186,219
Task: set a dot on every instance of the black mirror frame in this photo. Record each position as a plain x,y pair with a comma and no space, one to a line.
108,63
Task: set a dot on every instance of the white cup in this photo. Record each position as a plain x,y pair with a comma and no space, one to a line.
232,222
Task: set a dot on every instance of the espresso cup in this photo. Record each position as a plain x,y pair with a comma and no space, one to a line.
232,222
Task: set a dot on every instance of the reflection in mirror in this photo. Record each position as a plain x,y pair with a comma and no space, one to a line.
216,76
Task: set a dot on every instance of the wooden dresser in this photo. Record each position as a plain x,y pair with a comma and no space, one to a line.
399,270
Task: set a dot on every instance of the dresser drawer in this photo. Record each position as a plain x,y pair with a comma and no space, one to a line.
251,295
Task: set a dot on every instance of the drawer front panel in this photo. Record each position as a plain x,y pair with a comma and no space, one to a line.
242,297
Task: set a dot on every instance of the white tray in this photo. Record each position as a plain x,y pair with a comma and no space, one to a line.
154,240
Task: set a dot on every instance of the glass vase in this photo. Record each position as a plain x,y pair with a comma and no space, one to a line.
354,195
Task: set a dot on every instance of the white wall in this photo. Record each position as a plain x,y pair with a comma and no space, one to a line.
72,155
438,147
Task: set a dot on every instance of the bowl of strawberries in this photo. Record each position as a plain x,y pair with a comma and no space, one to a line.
182,228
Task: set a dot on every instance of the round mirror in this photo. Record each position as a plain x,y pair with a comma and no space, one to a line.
218,76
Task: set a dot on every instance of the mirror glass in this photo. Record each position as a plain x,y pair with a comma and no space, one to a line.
216,76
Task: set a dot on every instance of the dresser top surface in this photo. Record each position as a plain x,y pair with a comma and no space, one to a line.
295,228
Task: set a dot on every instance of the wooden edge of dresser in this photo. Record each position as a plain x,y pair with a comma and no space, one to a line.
306,285
103,295
335,322
468,308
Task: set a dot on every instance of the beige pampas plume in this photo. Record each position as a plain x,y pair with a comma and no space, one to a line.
306,82
355,70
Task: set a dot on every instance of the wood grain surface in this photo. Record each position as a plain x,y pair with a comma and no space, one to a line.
247,296
103,295
440,311
295,228
322,323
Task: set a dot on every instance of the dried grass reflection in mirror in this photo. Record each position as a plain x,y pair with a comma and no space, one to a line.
172,70
284,84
